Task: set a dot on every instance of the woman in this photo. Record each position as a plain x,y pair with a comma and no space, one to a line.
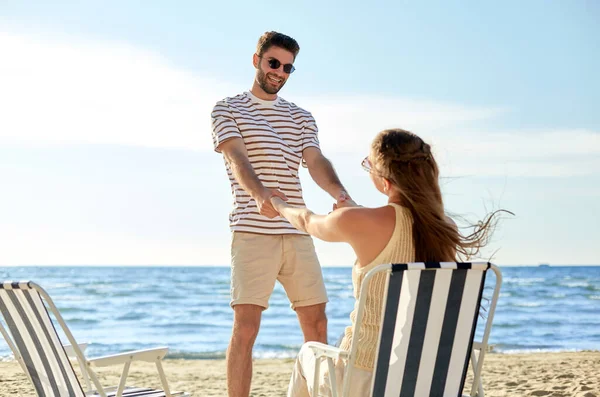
411,228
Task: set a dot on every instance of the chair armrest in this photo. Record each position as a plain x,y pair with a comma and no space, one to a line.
71,352
149,355
323,350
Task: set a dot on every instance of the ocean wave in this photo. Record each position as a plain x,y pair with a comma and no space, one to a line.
69,298
527,304
192,325
338,287
80,321
51,287
537,350
341,295
134,316
220,355
67,310
507,325
97,291
196,355
532,322
524,281
120,294
576,284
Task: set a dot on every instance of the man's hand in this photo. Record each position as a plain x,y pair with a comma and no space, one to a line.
344,200
263,202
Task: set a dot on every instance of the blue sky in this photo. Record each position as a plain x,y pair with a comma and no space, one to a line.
105,149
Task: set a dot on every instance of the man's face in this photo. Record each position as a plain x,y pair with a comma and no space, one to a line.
272,80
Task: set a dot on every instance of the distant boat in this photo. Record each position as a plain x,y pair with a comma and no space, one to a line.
544,265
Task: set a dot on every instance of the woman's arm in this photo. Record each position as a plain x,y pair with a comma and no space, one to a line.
333,227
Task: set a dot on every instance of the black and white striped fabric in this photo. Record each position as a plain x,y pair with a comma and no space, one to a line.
428,327
37,342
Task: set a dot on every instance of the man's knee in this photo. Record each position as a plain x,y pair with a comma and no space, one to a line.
246,323
314,317
244,334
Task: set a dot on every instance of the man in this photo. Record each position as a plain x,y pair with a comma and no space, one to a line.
264,139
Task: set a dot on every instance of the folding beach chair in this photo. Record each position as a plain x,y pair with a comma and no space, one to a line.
37,348
427,333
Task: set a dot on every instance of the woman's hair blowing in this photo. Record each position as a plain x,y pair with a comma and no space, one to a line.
407,162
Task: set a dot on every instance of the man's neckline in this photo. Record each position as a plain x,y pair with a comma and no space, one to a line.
254,98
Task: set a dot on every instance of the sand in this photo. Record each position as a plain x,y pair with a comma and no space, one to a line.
540,374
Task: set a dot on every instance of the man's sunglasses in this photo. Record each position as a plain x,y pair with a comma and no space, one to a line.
275,64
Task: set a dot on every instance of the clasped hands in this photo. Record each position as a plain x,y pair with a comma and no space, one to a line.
271,199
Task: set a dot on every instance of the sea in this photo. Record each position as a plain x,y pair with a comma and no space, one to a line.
541,309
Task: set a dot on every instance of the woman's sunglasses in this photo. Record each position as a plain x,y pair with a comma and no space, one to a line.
366,164
276,63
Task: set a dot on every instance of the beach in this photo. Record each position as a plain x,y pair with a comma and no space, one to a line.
525,374
551,311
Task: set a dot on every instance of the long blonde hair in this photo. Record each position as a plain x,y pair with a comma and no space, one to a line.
406,161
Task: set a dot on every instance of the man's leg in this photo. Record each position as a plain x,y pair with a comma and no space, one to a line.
246,322
302,278
313,322
255,263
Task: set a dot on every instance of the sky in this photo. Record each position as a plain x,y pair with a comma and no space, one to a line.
106,155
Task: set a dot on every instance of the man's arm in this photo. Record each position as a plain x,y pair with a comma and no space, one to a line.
322,172
236,155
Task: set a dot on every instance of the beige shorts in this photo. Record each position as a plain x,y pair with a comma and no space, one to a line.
257,260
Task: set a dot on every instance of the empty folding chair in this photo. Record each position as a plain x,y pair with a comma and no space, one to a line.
36,345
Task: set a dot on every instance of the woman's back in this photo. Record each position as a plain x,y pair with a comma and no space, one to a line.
398,247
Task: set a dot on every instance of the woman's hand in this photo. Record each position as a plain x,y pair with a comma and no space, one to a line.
264,204
297,216
344,200
332,227
278,204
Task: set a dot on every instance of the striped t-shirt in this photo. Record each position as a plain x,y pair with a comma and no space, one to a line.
275,134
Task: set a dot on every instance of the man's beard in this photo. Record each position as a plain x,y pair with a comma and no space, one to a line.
261,77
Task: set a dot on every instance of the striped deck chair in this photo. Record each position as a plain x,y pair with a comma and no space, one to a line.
32,337
427,333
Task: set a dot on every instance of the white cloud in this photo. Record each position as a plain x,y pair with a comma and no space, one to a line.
349,123
112,93
523,144
100,93
550,153
519,153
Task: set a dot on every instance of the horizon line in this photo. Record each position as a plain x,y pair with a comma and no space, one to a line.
227,265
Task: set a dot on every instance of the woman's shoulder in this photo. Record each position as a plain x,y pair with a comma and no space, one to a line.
364,211
364,215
